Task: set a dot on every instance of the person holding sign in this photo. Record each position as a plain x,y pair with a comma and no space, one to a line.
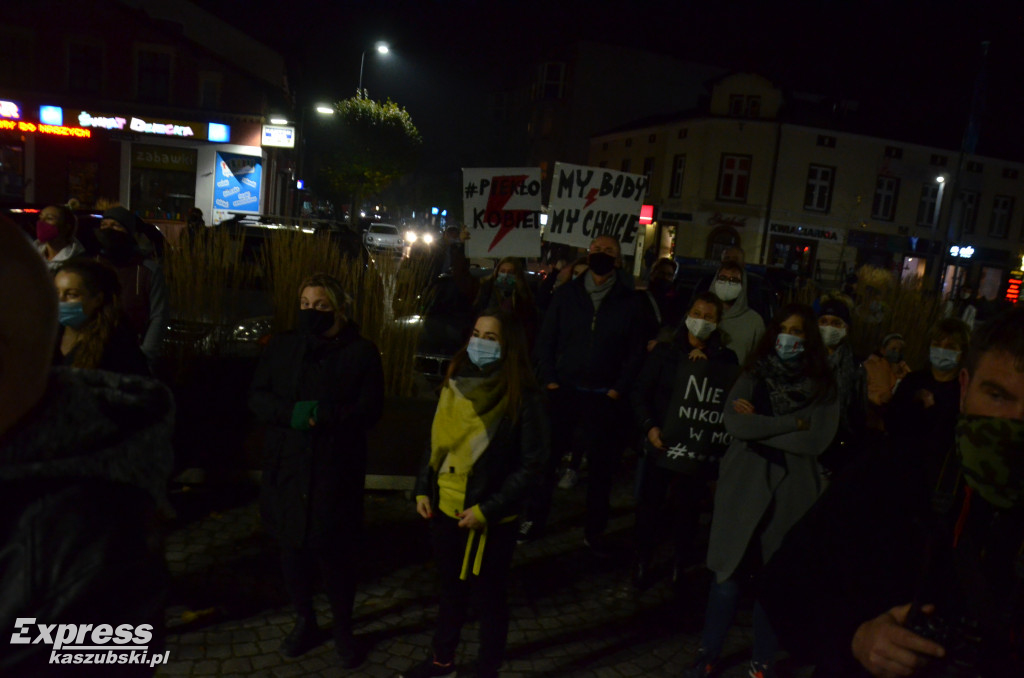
488,444
589,349
684,379
782,413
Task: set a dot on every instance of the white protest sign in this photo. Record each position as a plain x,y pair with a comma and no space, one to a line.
590,201
502,210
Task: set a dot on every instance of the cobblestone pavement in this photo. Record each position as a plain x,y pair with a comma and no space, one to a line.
573,614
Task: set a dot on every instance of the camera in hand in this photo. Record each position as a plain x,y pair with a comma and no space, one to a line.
961,638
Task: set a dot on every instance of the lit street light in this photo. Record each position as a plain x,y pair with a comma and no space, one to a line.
324,109
382,49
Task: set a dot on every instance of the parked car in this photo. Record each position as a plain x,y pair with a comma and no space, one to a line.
381,237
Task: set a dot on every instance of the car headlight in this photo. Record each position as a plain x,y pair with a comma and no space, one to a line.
427,238
410,236
252,329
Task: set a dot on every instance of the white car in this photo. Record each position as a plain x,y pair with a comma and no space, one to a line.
383,237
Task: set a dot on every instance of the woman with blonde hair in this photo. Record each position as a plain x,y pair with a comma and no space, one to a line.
319,389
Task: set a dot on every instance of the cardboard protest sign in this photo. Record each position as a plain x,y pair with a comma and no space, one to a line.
590,201
502,210
694,432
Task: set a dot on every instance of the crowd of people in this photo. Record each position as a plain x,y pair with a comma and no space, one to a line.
873,512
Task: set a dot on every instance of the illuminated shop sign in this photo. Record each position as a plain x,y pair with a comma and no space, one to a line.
646,214
965,252
834,235
1013,286
38,128
212,131
280,136
51,115
10,110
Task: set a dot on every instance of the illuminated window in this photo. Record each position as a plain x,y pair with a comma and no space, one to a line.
887,191
818,196
734,178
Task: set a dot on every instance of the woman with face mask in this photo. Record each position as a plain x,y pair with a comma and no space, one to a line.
697,339
507,289
782,413
93,331
834,319
55,236
318,389
927,401
488,445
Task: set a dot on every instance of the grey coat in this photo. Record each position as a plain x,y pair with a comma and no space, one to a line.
749,485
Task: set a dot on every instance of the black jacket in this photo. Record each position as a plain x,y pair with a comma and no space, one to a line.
81,477
313,480
579,346
508,470
121,354
653,389
860,552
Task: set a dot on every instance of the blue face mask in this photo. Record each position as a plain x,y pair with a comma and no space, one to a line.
789,346
505,282
483,352
944,359
71,314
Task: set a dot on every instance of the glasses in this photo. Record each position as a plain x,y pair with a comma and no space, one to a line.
727,279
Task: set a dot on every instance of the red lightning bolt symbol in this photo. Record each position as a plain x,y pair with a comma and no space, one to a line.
496,205
591,197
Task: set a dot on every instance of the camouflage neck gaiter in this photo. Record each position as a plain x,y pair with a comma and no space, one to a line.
991,451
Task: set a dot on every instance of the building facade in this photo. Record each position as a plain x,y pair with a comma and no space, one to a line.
817,201
157,106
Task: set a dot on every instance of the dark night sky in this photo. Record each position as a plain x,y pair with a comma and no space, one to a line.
918,58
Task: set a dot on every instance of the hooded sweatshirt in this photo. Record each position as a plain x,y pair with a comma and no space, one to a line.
742,326
81,477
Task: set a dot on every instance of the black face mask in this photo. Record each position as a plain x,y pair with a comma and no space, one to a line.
601,263
118,246
315,323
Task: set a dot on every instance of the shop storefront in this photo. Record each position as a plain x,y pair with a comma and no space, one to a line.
797,248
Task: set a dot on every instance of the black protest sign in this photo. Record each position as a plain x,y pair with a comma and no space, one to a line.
693,431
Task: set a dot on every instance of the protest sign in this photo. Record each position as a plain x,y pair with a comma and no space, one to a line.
502,211
238,183
694,432
590,201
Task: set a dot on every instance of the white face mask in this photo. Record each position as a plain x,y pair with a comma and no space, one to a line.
832,335
700,328
727,291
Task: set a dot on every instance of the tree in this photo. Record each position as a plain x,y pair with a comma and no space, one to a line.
371,145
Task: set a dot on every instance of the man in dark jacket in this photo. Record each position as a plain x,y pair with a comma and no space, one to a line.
318,390
589,349
907,568
84,459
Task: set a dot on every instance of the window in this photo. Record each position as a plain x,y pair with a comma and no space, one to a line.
678,168
975,167
753,107
968,210
734,178
651,138
737,102
629,142
550,81
1009,173
85,68
209,91
939,160
826,141
648,169
926,209
819,188
682,133
153,76
886,193
894,152
625,165
1002,209
604,146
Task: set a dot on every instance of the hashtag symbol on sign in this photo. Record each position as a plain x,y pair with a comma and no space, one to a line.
471,190
676,451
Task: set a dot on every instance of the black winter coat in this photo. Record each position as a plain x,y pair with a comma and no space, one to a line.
579,346
508,470
313,480
653,389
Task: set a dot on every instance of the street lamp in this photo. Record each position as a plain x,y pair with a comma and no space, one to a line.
382,49
322,109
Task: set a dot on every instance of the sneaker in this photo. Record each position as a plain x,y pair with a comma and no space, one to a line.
303,638
431,668
761,670
568,480
703,666
525,528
